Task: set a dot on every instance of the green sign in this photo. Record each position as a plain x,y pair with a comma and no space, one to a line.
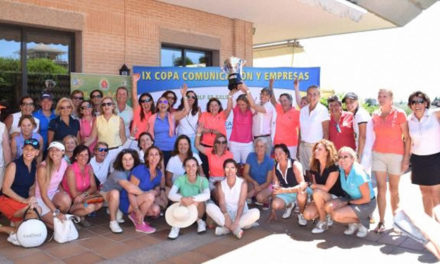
107,83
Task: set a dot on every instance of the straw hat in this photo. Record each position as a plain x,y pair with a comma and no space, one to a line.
181,216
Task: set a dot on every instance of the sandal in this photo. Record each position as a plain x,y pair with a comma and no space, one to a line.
380,228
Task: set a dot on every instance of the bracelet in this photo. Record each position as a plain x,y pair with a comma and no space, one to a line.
199,134
248,92
229,96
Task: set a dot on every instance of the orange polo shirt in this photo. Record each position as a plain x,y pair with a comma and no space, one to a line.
141,125
287,126
388,131
216,162
209,121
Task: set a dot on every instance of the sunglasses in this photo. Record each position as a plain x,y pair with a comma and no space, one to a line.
191,97
223,142
96,96
417,101
344,157
102,149
27,104
338,128
86,107
171,98
146,100
106,104
163,102
78,98
65,107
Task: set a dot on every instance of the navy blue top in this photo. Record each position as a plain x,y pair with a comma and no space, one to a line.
289,180
24,178
61,130
258,171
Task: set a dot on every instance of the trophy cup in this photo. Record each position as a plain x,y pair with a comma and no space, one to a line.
233,66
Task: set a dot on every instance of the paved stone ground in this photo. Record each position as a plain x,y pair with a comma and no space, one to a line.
282,241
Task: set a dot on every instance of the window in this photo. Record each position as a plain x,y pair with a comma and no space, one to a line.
185,57
32,60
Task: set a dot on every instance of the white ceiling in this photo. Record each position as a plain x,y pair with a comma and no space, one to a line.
280,20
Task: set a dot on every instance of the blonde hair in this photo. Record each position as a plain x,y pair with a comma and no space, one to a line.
63,100
350,152
388,91
332,156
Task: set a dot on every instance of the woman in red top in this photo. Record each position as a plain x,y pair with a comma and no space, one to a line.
340,131
391,151
143,108
213,123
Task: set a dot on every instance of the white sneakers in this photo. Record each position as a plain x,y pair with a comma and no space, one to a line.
320,227
174,233
201,226
329,220
220,230
288,211
362,231
301,220
120,217
115,228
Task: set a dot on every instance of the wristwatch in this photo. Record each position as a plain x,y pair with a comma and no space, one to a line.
56,212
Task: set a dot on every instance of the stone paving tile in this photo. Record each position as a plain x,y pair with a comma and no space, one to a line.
191,257
13,252
213,250
113,251
85,258
35,258
97,242
67,250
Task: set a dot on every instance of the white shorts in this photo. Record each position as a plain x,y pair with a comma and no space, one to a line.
240,151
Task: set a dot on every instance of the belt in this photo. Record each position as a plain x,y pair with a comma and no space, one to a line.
255,137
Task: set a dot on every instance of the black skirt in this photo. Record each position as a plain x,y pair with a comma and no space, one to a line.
425,170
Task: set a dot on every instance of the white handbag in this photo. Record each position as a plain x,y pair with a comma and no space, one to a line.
31,232
64,231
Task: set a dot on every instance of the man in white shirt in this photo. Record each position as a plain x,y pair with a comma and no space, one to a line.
264,117
122,109
360,120
314,122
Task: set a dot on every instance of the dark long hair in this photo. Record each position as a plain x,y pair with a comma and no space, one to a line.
152,109
195,107
213,99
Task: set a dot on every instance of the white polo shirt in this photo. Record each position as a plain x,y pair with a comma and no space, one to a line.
127,116
425,134
360,117
311,123
262,122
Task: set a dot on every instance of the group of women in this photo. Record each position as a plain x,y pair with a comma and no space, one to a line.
182,155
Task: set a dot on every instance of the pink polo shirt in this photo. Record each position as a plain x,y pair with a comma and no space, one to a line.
241,126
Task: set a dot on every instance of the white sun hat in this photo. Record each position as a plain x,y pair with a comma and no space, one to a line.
181,216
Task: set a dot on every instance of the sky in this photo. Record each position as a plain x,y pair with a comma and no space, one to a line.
402,59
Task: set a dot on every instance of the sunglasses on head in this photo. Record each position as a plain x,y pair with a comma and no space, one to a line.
84,107
102,149
96,96
417,101
106,104
163,102
31,141
145,100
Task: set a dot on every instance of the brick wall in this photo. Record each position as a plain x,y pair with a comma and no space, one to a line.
108,30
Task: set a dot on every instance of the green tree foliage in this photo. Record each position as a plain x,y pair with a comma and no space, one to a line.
9,64
41,65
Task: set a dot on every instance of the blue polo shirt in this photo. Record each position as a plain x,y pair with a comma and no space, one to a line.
61,129
355,179
258,171
162,138
44,123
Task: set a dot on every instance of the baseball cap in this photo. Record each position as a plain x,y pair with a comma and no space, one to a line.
32,142
56,144
46,96
350,95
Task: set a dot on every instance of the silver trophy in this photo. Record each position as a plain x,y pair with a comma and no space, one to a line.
233,66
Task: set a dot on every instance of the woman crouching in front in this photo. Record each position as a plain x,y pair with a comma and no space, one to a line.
233,214
354,210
